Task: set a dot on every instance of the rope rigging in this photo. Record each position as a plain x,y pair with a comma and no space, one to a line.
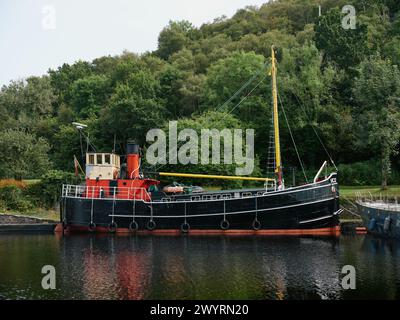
315,131
291,135
250,92
244,86
240,90
270,161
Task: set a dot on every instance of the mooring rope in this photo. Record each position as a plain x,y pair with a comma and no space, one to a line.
351,212
349,201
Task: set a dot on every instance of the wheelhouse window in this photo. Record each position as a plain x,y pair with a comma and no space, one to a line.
91,158
107,159
99,159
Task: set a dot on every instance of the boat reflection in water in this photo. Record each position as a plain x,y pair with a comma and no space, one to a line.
198,267
162,267
111,272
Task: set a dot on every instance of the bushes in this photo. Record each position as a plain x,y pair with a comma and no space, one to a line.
17,196
12,182
47,192
364,173
14,198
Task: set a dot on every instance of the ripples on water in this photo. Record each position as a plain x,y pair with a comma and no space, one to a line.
225,267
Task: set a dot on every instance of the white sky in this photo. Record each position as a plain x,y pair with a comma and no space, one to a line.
32,39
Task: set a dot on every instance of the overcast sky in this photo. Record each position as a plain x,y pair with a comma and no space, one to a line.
36,35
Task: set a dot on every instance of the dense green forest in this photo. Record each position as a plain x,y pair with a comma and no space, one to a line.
342,83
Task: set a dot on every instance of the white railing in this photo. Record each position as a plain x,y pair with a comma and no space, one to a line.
100,192
125,193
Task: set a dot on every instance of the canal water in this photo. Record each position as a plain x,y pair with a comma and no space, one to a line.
195,267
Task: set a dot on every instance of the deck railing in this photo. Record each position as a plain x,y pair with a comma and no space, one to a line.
126,193
99,192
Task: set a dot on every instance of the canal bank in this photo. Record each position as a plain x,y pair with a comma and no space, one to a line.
25,224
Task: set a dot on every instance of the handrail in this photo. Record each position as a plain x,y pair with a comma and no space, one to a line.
99,192
319,171
69,192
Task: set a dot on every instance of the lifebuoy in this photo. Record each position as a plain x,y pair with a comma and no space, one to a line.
112,227
133,226
151,225
256,224
224,224
185,227
173,189
92,226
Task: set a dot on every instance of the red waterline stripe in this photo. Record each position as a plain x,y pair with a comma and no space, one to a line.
321,231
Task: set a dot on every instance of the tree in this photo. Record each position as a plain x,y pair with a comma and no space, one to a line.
209,120
170,84
22,155
89,95
174,37
62,78
66,145
346,47
192,91
33,96
377,93
133,109
196,70
228,75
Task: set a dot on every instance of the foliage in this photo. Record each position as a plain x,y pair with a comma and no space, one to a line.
47,192
13,198
346,47
22,154
365,173
377,91
89,94
174,37
12,182
209,120
342,84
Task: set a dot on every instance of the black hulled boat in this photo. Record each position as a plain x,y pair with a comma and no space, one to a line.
119,198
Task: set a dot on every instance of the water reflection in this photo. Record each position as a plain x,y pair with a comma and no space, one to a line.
169,267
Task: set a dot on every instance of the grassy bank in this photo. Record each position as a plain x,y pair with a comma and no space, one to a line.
46,214
350,192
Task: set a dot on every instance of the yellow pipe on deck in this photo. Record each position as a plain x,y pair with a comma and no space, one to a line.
210,176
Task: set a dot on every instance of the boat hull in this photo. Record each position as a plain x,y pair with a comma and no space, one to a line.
380,222
312,209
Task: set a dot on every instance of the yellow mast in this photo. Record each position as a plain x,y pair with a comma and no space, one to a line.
278,169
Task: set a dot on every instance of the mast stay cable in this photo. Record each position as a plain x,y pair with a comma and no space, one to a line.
240,90
315,131
244,86
292,137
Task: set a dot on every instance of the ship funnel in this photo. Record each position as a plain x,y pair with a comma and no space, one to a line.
132,159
